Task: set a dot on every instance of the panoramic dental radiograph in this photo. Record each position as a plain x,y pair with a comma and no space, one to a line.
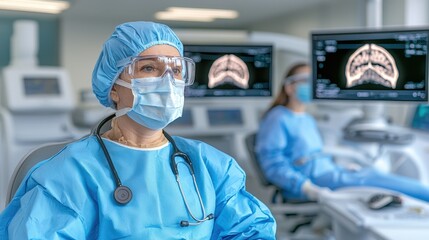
229,69
371,64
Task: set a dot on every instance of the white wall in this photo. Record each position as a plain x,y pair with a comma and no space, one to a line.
339,14
393,12
416,12
81,43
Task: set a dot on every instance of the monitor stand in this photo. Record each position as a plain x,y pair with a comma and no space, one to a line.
373,130
373,127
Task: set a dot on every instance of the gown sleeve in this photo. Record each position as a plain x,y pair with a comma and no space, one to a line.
37,215
239,215
273,148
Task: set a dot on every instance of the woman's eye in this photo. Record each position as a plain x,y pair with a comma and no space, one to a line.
177,71
147,69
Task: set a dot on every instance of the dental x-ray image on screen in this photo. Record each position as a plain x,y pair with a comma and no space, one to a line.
386,65
230,70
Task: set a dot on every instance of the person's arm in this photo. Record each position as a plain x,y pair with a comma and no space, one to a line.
37,215
272,149
239,215
279,171
314,192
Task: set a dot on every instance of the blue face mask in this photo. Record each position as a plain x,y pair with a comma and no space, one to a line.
303,92
157,101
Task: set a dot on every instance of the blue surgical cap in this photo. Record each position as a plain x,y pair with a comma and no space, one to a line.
128,40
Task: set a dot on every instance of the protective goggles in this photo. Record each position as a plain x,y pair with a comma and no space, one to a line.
181,68
300,77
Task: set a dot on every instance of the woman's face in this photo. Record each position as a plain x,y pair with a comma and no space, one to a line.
291,88
122,96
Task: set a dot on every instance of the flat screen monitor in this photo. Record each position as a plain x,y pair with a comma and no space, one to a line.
231,70
375,65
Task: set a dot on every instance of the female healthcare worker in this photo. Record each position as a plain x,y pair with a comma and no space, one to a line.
134,181
289,148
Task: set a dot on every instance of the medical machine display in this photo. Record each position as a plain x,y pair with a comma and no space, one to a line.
41,85
420,119
386,65
230,70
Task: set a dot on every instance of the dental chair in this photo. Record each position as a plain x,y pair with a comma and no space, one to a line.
35,156
300,212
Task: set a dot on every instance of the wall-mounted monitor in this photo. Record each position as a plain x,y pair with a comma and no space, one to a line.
231,70
375,65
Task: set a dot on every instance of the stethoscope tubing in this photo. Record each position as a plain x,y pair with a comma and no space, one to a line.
123,194
106,153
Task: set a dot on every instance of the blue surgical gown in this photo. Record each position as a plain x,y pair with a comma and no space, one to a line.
70,196
289,148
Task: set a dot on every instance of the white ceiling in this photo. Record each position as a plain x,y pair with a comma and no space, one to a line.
250,11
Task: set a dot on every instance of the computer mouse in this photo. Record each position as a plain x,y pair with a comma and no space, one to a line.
383,200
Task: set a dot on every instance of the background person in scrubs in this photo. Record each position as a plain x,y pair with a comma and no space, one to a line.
141,73
290,149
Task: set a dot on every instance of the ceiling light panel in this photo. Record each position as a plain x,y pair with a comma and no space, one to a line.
195,14
40,6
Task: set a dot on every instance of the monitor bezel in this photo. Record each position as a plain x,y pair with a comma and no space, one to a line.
244,45
359,31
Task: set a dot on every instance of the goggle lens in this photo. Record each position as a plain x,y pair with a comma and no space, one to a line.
180,68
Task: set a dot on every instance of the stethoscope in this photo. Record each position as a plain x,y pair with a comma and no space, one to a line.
123,194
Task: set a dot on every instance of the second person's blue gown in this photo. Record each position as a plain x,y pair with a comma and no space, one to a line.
290,150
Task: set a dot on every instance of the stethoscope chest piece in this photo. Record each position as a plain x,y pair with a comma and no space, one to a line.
122,195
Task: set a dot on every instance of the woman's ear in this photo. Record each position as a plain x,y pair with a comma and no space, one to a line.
114,95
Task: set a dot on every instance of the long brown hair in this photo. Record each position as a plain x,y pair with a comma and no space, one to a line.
282,97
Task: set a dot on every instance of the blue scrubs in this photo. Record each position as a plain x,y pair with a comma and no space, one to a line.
290,149
70,196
